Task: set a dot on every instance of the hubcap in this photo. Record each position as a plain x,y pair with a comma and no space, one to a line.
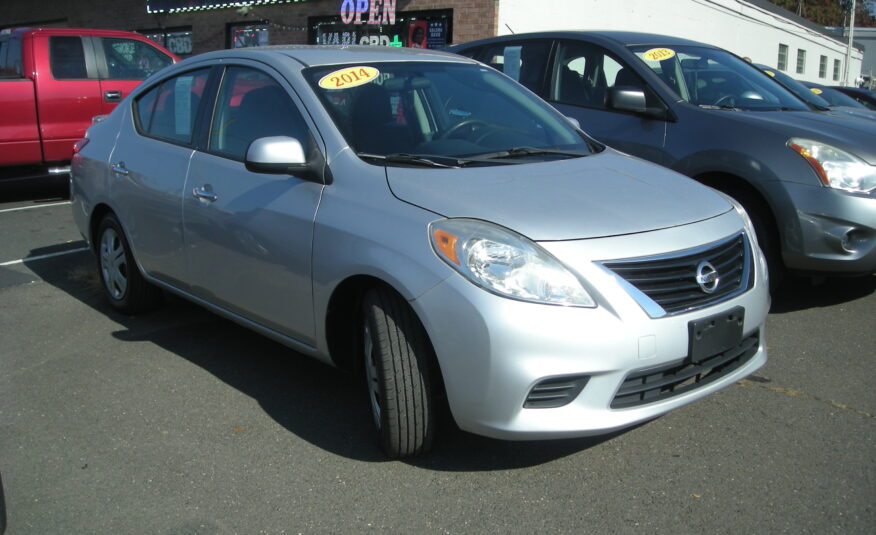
371,374
113,264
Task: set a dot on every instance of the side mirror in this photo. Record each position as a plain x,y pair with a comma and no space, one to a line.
627,99
633,99
281,155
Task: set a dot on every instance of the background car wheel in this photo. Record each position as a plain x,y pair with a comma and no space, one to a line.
123,284
397,355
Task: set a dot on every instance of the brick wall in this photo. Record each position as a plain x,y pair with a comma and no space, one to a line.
472,19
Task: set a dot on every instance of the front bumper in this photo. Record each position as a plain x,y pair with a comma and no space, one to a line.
831,232
492,352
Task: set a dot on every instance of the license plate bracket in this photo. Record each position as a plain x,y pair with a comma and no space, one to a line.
715,334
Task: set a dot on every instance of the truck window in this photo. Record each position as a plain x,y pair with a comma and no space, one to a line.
67,58
129,59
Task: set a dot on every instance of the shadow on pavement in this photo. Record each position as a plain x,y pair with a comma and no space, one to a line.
38,190
801,293
314,401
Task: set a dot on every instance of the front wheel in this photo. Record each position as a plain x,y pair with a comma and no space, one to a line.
397,355
123,284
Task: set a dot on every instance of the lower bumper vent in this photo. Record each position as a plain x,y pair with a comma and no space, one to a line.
555,392
649,386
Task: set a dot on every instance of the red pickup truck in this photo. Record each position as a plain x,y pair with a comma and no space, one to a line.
53,81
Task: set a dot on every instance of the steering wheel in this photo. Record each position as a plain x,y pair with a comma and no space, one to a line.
729,100
473,124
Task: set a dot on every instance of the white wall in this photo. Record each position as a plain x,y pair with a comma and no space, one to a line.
736,25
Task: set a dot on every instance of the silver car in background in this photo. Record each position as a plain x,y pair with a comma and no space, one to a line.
420,218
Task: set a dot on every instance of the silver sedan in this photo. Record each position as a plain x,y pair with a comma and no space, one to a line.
423,220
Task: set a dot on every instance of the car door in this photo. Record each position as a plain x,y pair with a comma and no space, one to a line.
149,165
583,75
67,92
123,63
248,235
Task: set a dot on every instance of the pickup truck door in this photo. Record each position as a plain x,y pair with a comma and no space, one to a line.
67,92
124,63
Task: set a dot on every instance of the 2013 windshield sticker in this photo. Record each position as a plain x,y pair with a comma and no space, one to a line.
770,73
659,54
348,77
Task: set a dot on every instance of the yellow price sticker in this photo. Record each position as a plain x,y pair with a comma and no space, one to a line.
659,54
816,90
770,73
348,77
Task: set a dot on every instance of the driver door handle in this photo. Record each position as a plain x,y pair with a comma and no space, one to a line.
204,194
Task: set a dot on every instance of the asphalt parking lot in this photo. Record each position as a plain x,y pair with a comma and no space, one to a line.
180,422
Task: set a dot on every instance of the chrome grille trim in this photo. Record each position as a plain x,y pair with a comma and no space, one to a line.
676,271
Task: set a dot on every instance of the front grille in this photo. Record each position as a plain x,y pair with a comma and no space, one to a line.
641,388
555,392
670,281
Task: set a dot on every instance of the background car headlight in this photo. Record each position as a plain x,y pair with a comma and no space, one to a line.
836,168
506,263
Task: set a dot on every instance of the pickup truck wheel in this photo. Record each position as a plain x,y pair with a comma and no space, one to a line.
123,284
397,355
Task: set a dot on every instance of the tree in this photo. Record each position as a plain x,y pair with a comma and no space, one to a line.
829,12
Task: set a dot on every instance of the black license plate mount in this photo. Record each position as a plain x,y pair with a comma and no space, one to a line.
715,334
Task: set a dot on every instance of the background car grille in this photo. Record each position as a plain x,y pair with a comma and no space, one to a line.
653,385
670,281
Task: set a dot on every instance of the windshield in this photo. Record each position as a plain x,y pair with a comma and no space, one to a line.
441,110
709,78
835,98
794,86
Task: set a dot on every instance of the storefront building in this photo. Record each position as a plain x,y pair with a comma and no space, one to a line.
189,27
754,28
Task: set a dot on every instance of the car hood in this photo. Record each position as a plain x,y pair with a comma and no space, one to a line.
605,194
852,134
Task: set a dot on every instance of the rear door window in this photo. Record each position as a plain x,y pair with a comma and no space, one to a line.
168,110
67,58
525,62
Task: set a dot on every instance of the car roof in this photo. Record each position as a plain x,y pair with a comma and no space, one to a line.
604,36
316,55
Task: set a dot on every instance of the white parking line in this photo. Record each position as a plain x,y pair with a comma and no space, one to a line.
42,257
34,206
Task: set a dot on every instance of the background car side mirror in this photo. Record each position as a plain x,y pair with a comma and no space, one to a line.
282,155
633,99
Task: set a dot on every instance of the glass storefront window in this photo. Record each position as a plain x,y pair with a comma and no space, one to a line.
243,35
177,40
415,29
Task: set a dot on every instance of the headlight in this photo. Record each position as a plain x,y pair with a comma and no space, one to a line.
506,263
836,168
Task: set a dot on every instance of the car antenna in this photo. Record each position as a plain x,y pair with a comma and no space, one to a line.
509,28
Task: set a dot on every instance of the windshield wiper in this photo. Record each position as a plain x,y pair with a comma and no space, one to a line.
413,159
518,152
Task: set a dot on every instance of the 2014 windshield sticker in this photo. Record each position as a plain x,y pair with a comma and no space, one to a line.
770,73
659,54
348,77
816,90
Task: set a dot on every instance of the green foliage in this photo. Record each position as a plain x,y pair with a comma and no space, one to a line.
829,12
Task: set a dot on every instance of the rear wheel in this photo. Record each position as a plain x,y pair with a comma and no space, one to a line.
397,355
123,284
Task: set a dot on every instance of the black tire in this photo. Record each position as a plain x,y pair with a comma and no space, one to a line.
121,279
396,353
767,235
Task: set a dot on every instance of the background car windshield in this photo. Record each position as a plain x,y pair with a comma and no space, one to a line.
709,77
794,86
443,109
